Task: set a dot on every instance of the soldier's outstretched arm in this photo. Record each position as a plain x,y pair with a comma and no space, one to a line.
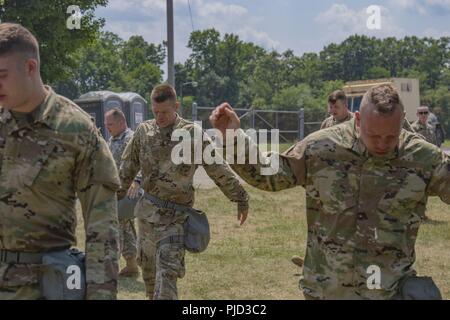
440,181
130,164
226,180
97,182
288,170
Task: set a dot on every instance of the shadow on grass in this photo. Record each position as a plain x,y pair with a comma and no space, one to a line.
131,285
435,222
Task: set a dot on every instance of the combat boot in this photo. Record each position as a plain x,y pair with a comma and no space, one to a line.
131,269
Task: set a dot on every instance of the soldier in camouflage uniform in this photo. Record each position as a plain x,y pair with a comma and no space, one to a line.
337,103
116,124
338,109
150,152
50,154
422,126
367,183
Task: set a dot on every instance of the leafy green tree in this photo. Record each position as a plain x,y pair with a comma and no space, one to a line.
47,20
378,73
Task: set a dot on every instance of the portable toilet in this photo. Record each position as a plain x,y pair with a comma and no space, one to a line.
97,103
135,108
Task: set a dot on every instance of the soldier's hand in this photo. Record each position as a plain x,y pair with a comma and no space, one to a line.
133,190
242,215
223,118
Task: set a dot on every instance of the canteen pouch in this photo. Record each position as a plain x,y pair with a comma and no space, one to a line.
196,231
418,288
125,206
63,275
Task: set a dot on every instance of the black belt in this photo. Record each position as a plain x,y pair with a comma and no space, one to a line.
7,256
171,239
164,204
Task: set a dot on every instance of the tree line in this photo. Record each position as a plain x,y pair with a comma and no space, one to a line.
225,67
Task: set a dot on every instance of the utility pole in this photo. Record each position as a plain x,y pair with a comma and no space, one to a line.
170,45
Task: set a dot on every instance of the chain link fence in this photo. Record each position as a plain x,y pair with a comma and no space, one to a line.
291,124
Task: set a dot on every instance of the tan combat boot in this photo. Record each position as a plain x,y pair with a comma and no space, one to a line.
131,269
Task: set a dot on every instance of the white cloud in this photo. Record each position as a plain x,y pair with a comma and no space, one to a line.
433,33
342,22
213,8
412,5
424,7
224,17
259,37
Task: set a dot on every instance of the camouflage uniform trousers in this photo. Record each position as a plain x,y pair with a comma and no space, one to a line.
161,265
127,232
29,292
19,282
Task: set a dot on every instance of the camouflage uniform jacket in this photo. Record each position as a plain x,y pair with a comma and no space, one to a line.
331,121
150,151
47,162
117,146
426,130
362,211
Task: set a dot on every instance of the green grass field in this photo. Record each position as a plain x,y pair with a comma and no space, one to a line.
253,261
446,144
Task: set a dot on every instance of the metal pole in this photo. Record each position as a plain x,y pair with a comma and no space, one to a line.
301,124
181,100
170,45
276,120
194,111
253,119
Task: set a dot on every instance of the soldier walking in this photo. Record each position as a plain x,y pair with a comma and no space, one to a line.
169,193
51,154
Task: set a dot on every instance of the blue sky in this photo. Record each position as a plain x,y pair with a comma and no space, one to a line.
303,26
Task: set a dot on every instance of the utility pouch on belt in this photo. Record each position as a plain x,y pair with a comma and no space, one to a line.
196,231
418,288
196,227
63,275
125,206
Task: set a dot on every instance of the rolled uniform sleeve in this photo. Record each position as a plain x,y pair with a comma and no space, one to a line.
130,164
440,181
291,167
97,182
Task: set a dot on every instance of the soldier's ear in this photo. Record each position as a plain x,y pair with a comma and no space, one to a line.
177,105
31,67
358,119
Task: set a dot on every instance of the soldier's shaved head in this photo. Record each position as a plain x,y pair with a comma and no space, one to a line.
164,105
21,86
163,93
15,39
115,122
116,114
383,99
380,119
423,109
